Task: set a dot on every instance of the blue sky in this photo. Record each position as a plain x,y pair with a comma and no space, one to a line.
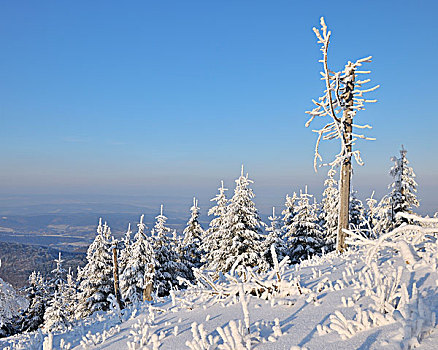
170,97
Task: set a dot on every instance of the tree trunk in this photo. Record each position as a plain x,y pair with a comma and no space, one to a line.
116,277
345,176
147,292
344,203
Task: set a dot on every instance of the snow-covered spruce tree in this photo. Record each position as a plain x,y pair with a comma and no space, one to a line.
56,317
242,241
330,210
383,216
96,278
305,237
403,188
11,307
125,250
342,99
214,233
357,212
69,294
38,295
191,244
169,266
59,272
371,212
139,269
185,267
275,236
57,314
289,212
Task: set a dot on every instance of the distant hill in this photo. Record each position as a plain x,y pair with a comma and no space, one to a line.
19,260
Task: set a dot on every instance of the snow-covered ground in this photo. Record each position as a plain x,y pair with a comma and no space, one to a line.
371,297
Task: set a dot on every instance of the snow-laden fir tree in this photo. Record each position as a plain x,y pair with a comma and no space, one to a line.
191,244
330,210
289,213
37,293
139,270
96,278
169,266
214,233
275,237
242,241
305,236
404,187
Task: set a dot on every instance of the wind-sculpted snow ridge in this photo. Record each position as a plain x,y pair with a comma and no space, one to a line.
379,294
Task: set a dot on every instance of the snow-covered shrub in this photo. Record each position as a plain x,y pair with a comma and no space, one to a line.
263,285
402,239
417,323
234,337
97,338
390,300
143,337
201,340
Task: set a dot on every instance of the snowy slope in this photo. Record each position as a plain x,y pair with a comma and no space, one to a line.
396,317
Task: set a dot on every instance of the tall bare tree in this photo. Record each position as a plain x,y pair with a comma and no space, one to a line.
342,99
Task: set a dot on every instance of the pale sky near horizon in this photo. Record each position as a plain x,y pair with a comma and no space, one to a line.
170,97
